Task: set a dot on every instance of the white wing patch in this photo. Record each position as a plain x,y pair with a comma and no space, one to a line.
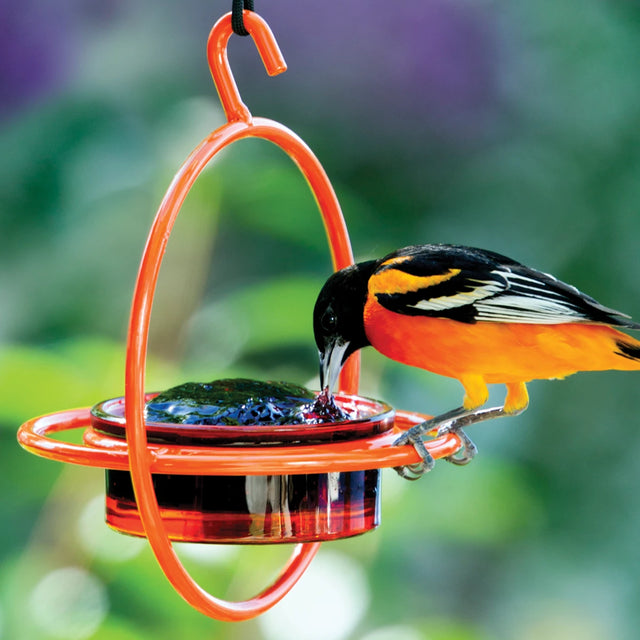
529,301
523,309
484,290
511,297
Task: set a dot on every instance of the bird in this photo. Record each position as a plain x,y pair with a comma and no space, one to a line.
469,314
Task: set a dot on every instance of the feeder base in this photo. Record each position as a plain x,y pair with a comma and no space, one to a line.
252,509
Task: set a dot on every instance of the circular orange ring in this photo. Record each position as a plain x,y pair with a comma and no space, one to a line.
108,452
140,456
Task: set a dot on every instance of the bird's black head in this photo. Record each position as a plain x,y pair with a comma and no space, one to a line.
338,322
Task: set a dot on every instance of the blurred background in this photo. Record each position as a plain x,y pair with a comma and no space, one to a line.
508,125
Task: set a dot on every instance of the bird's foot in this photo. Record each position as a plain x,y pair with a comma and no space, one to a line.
417,470
451,422
415,435
468,450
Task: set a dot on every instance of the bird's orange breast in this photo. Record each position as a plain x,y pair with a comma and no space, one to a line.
500,352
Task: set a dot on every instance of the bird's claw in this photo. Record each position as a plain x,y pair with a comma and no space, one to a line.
417,470
413,436
467,451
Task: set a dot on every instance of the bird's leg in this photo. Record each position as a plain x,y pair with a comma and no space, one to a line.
468,450
517,399
515,403
451,422
476,394
455,420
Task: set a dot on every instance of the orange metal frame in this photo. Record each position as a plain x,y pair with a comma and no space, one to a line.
142,458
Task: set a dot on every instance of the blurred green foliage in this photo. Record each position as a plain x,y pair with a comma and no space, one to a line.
514,126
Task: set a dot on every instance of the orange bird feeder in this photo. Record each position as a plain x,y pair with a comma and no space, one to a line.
367,445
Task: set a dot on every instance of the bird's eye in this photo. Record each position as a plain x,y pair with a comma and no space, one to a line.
329,320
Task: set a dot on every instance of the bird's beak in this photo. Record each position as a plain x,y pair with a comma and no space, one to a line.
331,361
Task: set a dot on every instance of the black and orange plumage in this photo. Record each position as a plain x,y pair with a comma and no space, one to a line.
469,314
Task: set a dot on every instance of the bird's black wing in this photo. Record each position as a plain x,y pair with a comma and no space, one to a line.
471,285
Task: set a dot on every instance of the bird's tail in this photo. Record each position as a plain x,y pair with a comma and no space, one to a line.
595,347
629,349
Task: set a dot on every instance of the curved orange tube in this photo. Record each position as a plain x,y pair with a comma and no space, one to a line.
107,452
240,125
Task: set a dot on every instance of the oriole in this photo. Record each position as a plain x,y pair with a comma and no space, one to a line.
469,314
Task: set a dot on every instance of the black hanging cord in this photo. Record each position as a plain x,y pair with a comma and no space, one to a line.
237,22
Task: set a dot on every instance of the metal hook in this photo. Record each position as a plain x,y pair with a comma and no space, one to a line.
268,49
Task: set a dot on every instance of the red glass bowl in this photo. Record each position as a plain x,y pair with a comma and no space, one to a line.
253,508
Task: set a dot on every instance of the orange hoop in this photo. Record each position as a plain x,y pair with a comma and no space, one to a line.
108,452
240,125
141,458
